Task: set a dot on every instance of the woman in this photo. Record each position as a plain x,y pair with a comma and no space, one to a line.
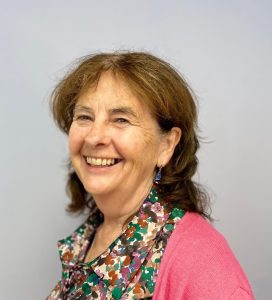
131,122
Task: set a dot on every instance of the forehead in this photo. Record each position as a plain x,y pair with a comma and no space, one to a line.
111,91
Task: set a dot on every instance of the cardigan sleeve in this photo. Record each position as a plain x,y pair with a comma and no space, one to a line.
198,264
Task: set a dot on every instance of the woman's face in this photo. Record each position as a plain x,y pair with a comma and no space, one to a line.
114,142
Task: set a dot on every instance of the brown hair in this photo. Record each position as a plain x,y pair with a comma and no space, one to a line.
169,99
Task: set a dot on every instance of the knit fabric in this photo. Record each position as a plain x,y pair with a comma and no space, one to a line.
198,264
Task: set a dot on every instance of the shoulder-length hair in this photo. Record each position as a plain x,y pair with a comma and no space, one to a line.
169,99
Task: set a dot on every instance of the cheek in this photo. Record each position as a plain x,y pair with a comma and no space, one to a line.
138,147
75,140
149,136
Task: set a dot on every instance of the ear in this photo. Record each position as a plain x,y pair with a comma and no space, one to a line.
168,145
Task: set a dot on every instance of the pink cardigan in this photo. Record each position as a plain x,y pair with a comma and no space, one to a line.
198,264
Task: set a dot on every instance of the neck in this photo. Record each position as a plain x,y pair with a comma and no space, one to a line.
118,207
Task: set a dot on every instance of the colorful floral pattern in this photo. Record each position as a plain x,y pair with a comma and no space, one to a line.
129,267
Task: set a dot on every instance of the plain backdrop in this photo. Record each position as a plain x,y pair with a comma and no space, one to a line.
223,48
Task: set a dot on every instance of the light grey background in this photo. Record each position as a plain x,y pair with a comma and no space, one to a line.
224,50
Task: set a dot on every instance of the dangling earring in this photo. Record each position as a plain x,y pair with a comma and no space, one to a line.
158,176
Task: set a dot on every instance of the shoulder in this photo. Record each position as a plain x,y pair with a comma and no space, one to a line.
198,261
193,232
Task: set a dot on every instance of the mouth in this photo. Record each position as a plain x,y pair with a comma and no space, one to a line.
101,161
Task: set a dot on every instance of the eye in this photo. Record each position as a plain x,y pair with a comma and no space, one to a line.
121,121
82,118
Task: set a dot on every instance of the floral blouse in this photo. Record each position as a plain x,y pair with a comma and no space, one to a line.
129,267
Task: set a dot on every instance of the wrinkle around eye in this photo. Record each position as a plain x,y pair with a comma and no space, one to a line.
123,122
82,120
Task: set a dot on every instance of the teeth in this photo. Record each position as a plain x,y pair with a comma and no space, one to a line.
100,161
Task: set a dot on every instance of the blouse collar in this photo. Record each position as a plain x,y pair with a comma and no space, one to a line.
122,260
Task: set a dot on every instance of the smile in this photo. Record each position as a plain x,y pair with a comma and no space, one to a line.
101,161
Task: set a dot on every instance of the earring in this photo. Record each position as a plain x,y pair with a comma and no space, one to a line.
158,176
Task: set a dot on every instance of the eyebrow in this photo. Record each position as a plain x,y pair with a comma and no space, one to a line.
123,110
114,111
81,107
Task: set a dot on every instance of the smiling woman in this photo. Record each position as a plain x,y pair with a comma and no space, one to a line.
131,122
110,123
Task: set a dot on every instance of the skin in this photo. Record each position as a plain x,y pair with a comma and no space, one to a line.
111,122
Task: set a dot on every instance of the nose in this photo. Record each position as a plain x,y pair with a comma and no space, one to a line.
98,134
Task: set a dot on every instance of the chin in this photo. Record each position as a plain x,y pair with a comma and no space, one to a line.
97,189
